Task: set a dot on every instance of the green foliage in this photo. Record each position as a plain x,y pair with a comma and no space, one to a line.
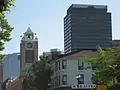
5,28
1,58
5,5
107,66
38,76
114,87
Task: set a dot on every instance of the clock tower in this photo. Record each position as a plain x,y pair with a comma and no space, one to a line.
28,50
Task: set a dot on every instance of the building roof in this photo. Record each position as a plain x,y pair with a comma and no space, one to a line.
80,54
88,5
29,31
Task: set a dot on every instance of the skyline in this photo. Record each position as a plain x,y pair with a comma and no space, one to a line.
50,34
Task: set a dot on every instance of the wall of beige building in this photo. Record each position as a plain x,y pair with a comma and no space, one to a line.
15,84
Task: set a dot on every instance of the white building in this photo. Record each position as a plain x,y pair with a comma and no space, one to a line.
68,68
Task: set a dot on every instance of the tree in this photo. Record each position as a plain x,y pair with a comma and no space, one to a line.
5,28
107,66
38,76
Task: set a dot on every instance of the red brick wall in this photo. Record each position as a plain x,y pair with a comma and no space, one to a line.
16,84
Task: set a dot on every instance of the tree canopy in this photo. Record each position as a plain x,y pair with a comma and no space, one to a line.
5,27
38,76
107,66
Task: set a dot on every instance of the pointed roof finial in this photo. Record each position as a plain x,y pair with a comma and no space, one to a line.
29,31
29,25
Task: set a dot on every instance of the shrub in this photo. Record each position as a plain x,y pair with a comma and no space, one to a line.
114,87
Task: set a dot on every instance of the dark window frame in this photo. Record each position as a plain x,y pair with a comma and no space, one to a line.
64,62
64,82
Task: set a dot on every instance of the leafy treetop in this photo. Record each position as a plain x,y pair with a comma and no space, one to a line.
5,27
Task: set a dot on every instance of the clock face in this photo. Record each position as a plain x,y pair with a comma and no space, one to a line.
29,45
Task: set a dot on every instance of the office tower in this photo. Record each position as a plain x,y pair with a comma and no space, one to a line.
11,67
87,26
116,43
28,51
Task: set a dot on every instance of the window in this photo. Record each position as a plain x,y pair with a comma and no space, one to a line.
19,57
80,79
80,65
93,67
55,81
56,66
64,64
64,79
59,80
29,56
89,65
59,65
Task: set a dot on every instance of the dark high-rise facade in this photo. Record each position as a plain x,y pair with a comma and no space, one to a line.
87,26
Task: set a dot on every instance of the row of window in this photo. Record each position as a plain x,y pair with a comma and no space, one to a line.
67,34
68,46
94,19
91,43
92,34
68,21
57,81
93,38
58,65
64,65
67,17
91,16
68,50
66,26
91,25
66,37
66,29
67,42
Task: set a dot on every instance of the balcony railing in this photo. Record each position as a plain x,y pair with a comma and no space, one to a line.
83,86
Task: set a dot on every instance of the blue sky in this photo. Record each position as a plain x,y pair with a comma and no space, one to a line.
46,19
